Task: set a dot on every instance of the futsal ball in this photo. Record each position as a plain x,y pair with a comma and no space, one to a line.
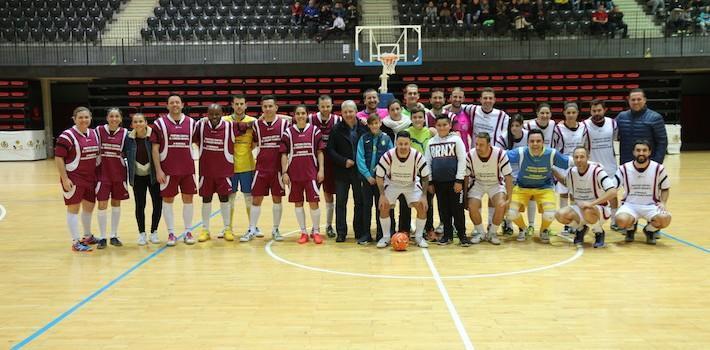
400,241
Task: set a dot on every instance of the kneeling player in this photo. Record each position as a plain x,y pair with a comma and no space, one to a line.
488,168
403,171
647,188
302,166
590,188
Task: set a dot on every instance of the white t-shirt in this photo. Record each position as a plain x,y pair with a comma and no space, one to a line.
490,172
547,132
589,186
642,187
600,140
403,173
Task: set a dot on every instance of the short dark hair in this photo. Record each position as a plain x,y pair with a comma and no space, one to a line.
301,106
435,90
597,103
240,96
369,91
488,89
414,110
637,90
174,94
643,142
517,117
393,101
541,106
372,117
538,132
456,88
324,97
484,135
443,116
404,133
268,97
586,151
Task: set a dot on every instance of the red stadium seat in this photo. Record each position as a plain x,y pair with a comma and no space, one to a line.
483,78
469,89
571,87
542,77
527,77
252,92
408,78
617,75
192,81
4,105
512,88
280,92
355,91
18,127
512,110
150,103
354,79
310,80
130,82
572,76
266,92
497,77
421,90
18,94
134,104
557,99
556,110
632,75
251,81
149,93
4,94
602,97
18,105
526,110
236,92
18,116
266,80
512,99
18,83
295,80
207,81
618,98
130,93
542,99
527,88
236,81
512,77
5,116
438,78
340,80
632,86
339,91
557,88
5,127
526,99
148,82
586,98
423,78
163,82
163,93
310,102
325,80
192,93
294,92
602,76
557,76
616,109
324,91
221,81
617,87
468,78
207,92
587,76
178,82
453,78
587,87
294,102
542,88
602,87
280,81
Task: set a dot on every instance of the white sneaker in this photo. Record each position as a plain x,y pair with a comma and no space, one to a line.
275,235
383,243
154,238
142,239
476,237
421,242
257,233
439,229
248,236
493,238
220,234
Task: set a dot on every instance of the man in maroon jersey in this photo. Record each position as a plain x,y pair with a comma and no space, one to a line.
174,166
325,120
302,165
267,178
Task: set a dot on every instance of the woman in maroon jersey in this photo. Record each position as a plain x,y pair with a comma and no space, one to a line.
76,154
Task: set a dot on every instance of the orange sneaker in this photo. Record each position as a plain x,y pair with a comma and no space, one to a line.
317,238
303,239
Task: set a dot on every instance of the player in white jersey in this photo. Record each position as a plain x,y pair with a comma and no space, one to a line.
646,186
601,133
484,118
590,188
403,171
568,134
543,122
487,172
517,136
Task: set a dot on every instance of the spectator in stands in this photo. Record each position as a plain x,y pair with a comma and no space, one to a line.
458,11
431,13
525,8
296,13
502,21
337,28
656,5
473,12
486,18
311,12
600,21
522,26
704,20
608,4
351,17
541,24
678,20
562,5
616,22
338,9
675,4
445,13
537,7
326,15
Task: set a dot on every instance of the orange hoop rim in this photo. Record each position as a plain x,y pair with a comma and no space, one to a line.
388,58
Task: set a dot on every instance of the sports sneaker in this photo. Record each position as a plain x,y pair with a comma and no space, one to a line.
329,231
116,242
630,235
616,227
221,233
89,240
383,242
80,247
172,240
493,238
317,238
507,229
258,233
204,236
530,231
521,235
303,239
421,242
439,229
545,236
657,234
276,235
579,236
566,231
599,239
444,241
363,241
465,242
154,238
188,239
247,236
227,234
650,236
142,240
101,244
476,237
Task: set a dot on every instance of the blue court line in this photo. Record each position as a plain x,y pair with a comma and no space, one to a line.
98,292
686,242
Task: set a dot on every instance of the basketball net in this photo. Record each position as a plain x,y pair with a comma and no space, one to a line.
389,62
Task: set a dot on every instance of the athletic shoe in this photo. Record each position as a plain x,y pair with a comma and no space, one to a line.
246,237
657,234
142,239
616,228
116,242
258,233
303,239
599,239
579,236
340,238
154,238
476,237
507,229
444,241
227,234
630,235
329,231
101,244
383,243
363,241
650,236
545,236
317,238
204,236
172,240
221,233
493,238
439,229
421,242
565,231
188,239
276,235
521,235
530,231
80,247
89,240
465,242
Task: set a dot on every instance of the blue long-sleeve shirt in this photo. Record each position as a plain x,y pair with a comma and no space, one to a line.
536,171
369,150
643,125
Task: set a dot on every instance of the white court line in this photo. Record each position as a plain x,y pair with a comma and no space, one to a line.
467,344
2,212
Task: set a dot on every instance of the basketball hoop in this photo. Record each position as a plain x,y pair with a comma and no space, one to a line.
389,61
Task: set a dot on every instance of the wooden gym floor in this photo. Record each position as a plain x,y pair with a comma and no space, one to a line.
258,295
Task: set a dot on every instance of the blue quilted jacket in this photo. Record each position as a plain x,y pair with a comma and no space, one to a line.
643,125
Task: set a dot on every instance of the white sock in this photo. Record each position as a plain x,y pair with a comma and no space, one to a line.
115,219
479,228
613,215
419,229
247,203
254,217
494,228
301,218
491,211
385,223
187,215
168,215
276,215
101,218
224,209
315,219
329,209
232,196
86,222
73,224
206,211
564,201
532,209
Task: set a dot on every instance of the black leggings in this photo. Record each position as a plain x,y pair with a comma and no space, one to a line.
140,185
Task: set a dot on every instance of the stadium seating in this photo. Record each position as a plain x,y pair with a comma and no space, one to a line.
16,109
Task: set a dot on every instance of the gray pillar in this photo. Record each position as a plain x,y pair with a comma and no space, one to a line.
47,115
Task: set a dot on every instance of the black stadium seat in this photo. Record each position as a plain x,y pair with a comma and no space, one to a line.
174,33
36,34
50,34
153,22
159,11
